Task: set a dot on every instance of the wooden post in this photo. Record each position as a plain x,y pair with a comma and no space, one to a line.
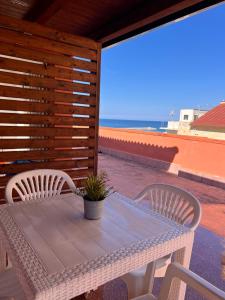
99,52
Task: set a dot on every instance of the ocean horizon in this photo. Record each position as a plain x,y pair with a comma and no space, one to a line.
153,126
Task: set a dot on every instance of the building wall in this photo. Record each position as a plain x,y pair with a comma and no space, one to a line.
191,113
173,126
196,154
208,134
184,126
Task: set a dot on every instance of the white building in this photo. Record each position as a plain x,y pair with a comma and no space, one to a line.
190,115
187,116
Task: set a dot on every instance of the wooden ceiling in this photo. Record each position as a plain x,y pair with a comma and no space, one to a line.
107,21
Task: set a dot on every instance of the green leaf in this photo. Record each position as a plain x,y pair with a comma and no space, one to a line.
95,188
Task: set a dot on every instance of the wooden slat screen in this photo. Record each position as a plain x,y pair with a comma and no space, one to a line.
49,101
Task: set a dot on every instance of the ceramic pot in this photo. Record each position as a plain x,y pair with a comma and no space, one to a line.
93,209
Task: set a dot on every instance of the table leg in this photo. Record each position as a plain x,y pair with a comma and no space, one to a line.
149,278
182,256
2,257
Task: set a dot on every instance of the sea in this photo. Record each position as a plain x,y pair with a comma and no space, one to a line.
152,126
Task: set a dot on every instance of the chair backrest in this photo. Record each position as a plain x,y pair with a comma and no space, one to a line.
203,287
174,203
37,184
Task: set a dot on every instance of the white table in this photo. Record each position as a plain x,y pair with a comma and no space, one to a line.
57,254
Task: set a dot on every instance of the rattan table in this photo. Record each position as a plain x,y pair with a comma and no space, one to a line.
57,254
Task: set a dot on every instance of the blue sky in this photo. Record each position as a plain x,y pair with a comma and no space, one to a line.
180,65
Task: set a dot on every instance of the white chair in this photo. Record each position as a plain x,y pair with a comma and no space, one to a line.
175,204
38,184
175,270
10,287
32,185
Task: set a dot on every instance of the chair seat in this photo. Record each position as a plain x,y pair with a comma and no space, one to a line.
9,285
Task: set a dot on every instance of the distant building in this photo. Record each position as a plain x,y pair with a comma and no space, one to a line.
187,116
211,124
183,126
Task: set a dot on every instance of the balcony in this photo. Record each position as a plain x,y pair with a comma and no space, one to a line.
129,178
49,119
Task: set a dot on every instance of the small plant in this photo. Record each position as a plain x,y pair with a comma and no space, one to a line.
95,188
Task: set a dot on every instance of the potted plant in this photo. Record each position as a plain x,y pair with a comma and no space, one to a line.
94,192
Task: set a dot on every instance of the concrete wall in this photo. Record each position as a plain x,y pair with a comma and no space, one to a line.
195,155
208,134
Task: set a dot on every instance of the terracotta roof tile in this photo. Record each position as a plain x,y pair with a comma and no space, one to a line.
213,119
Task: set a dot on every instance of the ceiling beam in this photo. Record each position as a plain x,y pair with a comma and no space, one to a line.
37,10
43,11
138,20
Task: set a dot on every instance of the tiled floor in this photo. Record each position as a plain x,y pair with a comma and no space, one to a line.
130,178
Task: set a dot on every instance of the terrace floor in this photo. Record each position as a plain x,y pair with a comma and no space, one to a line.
129,178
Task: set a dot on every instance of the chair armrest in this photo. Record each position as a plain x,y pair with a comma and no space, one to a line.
142,194
199,284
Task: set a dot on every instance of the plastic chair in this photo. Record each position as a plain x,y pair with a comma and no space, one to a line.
175,270
38,184
175,204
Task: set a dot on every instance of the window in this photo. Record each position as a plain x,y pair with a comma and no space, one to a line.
195,117
185,117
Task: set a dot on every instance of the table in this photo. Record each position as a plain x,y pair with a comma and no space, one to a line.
57,254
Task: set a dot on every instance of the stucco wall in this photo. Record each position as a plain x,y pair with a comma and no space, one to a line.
200,155
209,134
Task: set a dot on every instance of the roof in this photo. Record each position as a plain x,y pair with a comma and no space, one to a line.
106,21
213,120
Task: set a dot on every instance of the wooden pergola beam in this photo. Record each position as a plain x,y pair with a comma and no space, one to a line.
44,10
131,19
37,10
138,20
